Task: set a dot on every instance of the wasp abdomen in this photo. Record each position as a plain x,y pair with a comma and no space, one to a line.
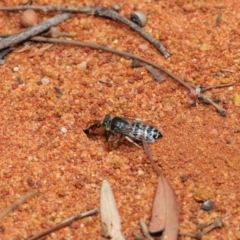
150,133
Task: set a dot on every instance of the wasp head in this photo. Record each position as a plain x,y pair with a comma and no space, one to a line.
106,122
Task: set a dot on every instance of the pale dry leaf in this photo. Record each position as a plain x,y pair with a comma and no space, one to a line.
23,49
40,51
110,218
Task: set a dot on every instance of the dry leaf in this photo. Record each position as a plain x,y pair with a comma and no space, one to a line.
40,51
157,223
23,49
165,208
172,213
236,99
165,211
110,218
155,73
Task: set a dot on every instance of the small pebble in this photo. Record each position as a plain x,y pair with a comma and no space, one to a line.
139,17
204,47
82,66
143,46
116,7
207,205
45,81
16,69
214,132
63,130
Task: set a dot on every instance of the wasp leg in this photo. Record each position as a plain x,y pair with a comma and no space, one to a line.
131,141
118,140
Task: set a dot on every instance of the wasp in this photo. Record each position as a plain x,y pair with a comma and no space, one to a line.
129,129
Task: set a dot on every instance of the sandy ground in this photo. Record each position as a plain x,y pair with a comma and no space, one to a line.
43,146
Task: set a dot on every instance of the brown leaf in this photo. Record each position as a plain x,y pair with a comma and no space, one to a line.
165,211
165,208
155,73
157,223
172,213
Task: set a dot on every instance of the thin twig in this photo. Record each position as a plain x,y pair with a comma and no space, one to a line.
84,9
144,229
16,204
219,17
64,223
99,12
198,236
147,151
120,53
206,99
107,12
33,31
217,86
222,111
227,70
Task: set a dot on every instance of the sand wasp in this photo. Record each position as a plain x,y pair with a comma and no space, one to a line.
131,129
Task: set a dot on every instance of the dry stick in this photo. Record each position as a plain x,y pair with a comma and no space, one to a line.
33,31
84,9
221,110
16,204
144,229
217,86
147,151
106,49
100,12
106,12
64,223
217,223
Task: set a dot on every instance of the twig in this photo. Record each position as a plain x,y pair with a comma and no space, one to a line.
144,229
84,9
16,204
216,223
64,223
147,151
227,70
219,17
120,53
198,236
217,86
33,31
206,99
100,12
222,111
106,12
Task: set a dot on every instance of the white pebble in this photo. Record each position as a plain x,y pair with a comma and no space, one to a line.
82,66
143,46
16,69
45,80
63,130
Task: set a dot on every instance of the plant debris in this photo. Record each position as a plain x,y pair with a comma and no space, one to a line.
110,218
165,208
